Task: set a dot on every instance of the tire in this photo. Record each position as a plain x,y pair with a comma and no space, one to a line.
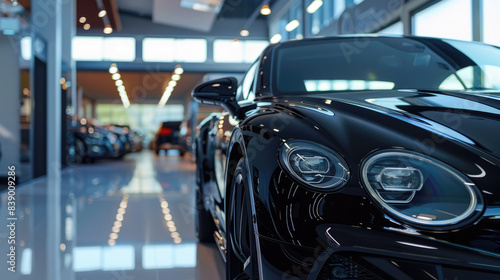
78,155
204,223
241,239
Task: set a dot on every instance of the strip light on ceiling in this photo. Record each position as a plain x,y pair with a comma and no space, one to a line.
292,25
116,76
176,76
314,6
276,38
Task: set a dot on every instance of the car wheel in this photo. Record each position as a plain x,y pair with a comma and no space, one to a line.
241,243
204,224
76,153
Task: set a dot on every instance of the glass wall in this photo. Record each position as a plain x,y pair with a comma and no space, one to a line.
238,51
393,29
100,48
289,25
174,50
491,22
450,19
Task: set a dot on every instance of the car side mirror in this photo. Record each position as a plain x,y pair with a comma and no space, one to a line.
218,92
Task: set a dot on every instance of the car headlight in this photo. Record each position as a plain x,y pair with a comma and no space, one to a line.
420,190
314,165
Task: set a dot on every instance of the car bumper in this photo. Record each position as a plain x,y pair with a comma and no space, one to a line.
347,252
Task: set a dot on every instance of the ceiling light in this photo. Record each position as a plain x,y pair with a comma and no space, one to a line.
275,39
86,26
176,77
83,19
172,83
62,81
102,13
314,6
108,29
121,88
178,70
202,7
244,33
15,3
119,83
265,10
292,25
113,69
116,76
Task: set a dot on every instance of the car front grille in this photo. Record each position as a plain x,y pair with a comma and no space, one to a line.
339,267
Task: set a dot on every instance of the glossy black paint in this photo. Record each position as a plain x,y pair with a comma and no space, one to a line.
312,234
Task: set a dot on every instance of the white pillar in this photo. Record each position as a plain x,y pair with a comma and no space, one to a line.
10,95
47,23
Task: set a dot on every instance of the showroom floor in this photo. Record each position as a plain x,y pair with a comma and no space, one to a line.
119,220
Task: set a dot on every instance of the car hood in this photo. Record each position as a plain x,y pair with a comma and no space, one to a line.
471,119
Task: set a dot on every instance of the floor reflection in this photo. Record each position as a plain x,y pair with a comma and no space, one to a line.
120,220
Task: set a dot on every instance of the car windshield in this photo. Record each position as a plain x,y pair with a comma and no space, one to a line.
374,63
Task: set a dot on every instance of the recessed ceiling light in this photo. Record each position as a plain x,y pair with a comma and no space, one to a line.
265,10
83,19
86,26
178,70
244,33
113,69
108,29
102,13
116,76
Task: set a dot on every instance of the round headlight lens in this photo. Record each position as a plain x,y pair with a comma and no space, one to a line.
420,189
314,164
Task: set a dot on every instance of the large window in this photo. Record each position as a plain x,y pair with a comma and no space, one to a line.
491,9
174,50
91,48
393,29
446,19
237,51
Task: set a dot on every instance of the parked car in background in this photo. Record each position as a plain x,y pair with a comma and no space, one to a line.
87,142
169,137
355,158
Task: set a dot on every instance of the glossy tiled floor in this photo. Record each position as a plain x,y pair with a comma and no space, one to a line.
130,219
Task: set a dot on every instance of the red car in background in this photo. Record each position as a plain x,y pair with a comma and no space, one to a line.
169,137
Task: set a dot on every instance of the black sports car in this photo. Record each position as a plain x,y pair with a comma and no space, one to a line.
355,158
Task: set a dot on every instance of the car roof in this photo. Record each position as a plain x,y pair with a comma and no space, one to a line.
367,36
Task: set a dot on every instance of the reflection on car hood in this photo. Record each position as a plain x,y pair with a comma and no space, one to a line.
464,117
